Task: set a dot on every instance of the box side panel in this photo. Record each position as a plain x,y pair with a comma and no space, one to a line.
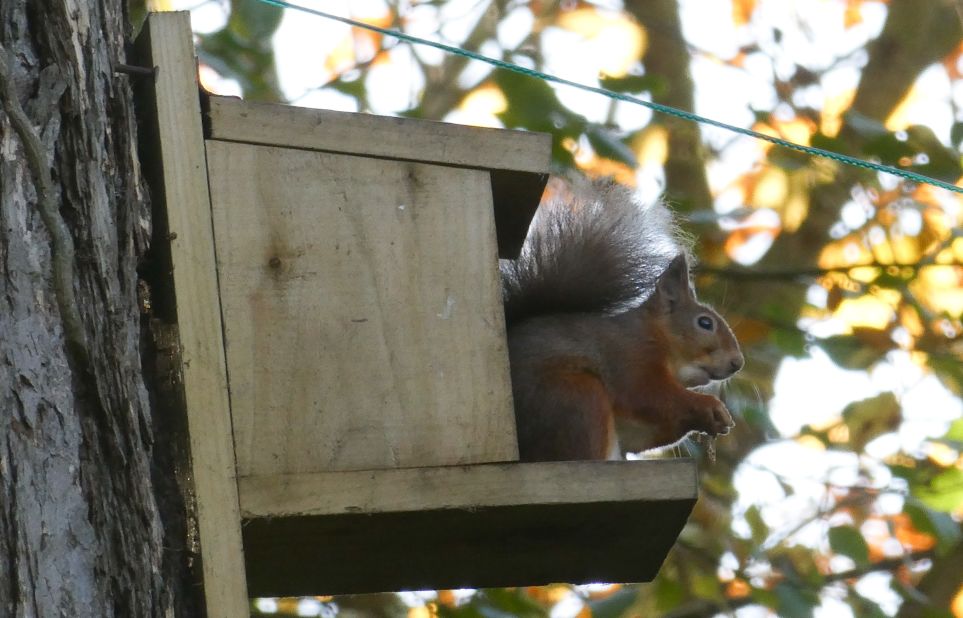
362,311
174,161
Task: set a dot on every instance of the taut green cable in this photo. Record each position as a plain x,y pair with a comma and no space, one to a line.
671,111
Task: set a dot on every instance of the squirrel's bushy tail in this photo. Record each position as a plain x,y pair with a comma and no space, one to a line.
601,251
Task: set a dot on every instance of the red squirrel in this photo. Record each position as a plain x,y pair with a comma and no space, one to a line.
605,333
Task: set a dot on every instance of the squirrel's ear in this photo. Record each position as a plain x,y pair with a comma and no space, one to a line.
673,284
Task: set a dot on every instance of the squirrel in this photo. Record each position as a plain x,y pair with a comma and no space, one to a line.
606,335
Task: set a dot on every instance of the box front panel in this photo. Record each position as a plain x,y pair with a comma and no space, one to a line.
362,311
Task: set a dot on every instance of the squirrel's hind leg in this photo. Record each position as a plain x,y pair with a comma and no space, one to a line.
565,415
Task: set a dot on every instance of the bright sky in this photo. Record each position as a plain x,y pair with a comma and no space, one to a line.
812,390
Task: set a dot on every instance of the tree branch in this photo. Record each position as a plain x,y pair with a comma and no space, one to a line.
741,274
668,56
442,81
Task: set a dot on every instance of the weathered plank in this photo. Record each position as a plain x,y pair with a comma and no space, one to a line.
362,311
466,487
232,119
176,124
476,526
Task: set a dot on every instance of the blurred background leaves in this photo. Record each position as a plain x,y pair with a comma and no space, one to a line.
841,490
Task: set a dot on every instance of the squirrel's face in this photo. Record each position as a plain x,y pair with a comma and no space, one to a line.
701,345
708,349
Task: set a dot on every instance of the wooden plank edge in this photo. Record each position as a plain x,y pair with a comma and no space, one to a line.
520,545
180,174
516,197
467,487
232,119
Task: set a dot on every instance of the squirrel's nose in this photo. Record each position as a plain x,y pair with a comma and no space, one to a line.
736,362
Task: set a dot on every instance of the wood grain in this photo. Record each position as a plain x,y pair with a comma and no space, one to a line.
466,487
378,136
362,311
184,190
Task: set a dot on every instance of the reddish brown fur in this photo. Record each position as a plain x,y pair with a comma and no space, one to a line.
583,381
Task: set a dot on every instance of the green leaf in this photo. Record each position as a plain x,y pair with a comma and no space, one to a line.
766,598
235,57
760,531
789,160
863,607
791,342
496,602
532,104
944,492
635,84
956,134
864,126
462,611
955,432
850,352
254,21
669,593
356,88
949,370
607,144
848,541
871,418
794,602
832,144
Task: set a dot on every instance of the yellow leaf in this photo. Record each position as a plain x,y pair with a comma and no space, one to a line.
368,42
941,454
342,57
811,442
844,252
898,119
834,106
940,288
866,311
618,42
953,63
481,105
794,211
419,612
771,189
852,16
651,146
956,605
910,320
742,11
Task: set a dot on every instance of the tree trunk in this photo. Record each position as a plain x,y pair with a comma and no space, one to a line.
686,184
85,489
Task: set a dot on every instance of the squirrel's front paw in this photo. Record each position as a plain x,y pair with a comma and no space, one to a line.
712,417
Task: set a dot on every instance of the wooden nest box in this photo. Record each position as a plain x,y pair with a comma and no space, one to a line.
344,361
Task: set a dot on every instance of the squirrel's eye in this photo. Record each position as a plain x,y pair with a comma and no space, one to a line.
705,322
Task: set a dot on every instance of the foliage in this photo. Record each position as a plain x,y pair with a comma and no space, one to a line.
809,258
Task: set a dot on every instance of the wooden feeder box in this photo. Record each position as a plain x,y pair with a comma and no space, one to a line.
345,370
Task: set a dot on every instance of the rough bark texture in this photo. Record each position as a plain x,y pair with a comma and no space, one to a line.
80,529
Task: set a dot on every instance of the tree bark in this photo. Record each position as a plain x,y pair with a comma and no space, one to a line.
686,184
82,477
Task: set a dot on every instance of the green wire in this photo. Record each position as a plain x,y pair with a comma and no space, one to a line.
671,111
